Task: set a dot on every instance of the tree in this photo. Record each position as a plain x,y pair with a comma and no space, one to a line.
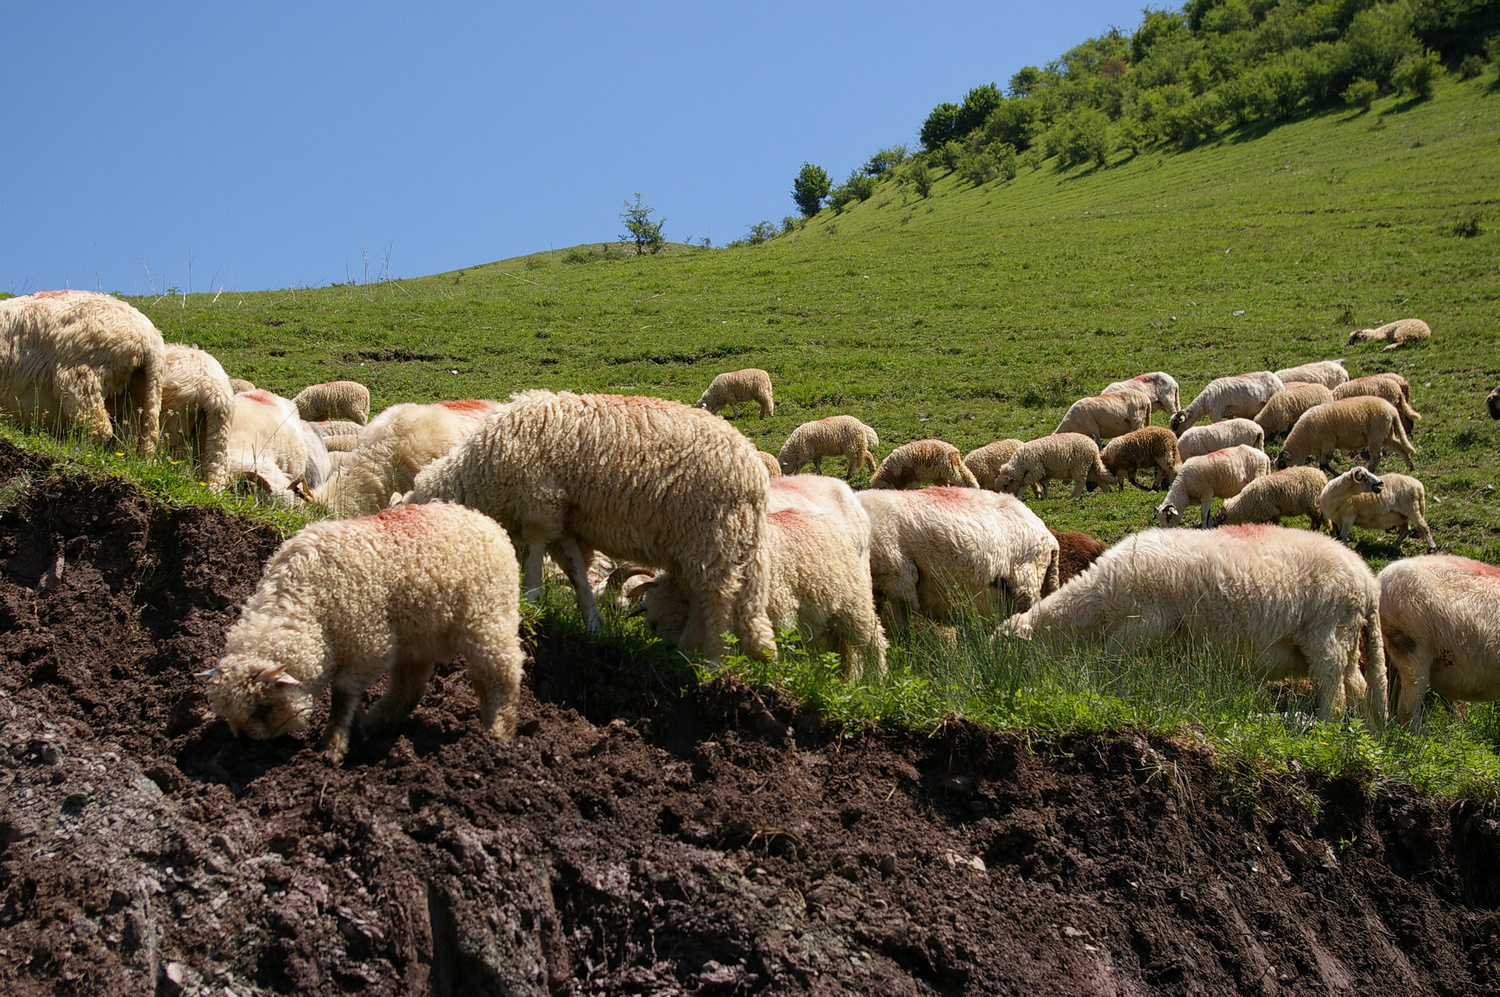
809,189
645,233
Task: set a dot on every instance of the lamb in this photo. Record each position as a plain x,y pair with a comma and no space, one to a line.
1104,417
394,448
1159,385
267,448
923,462
1360,423
1241,395
1492,402
1287,405
1398,502
986,462
240,384
1438,617
1292,492
1392,387
937,549
773,466
1202,440
1301,603
1075,552
197,406
834,436
749,385
1223,473
345,602
75,360
1397,333
1063,456
1153,447
334,400
638,478
1329,373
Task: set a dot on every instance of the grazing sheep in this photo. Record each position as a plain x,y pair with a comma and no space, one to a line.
923,462
240,384
394,448
1270,499
834,436
986,462
197,406
1075,552
937,549
1392,387
1357,480
336,427
75,360
1492,402
338,444
1223,473
1329,373
638,478
1241,395
749,385
1285,407
267,448
1397,333
1360,423
1438,615
1160,386
821,495
773,466
1153,447
1103,417
344,603
1394,501
1061,456
334,400
1301,603
1202,440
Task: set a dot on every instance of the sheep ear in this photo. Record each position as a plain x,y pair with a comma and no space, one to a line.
285,679
395,500
276,673
207,673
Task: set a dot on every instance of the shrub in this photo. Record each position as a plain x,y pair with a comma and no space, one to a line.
1360,94
1081,137
1467,226
918,176
645,233
760,232
996,160
1376,42
1470,67
790,223
886,160
941,126
809,189
1416,74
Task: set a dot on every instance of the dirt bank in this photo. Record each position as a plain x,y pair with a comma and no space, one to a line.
637,839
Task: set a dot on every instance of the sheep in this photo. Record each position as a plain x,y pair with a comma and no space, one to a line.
1160,386
1075,552
1329,373
923,462
240,384
1063,456
267,448
937,546
1202,440
1362,422
393,448
1281,412
1394,501
1397,333
1492,402
1303,604
1241,395
1392,387
637,478
1223,473
821,495
834,436
334,400
1269,499
318,468
985,462
345,602
76,360
338,444
773,466
197,406
1152,446
1356,480
749,385
1437,614
336,427
1104,417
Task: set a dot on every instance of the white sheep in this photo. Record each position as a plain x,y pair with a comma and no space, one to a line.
986,461
1159,385
197,407
638,478
1285,407
749,385
1062,456
1103,417
334,400
1153,447
940,549
76,360
773,466
1439,617
1240,395
1329,373
1397,333
346,602
1270,499
1361,423
267,448
822,495
1300,603
834,436
393,449
338,444
336,427
923,462
319,466
1202,440
1391,386
1394,501
1222,474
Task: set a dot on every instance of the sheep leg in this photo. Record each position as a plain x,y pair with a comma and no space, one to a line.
577,566
82,402
1208,501
1079,481
1330,665
531,579
495,667
1413,666
818,466
408,681
340,718
1426,532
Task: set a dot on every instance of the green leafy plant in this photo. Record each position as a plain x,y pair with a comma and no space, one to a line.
1361,94
1416,73
641,228
809,189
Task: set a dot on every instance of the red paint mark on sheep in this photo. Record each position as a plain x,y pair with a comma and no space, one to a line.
792,522
57,294
264,397
1245,531
1476,569
405,519
945,495
467,406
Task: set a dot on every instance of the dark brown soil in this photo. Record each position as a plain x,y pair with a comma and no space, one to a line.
638,837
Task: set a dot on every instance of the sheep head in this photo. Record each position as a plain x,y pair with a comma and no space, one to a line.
1179,421
1168,514
258,698
1493,404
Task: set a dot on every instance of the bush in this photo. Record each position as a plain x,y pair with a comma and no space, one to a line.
859,187
941,126
645,233
790,223
886,160
1470,67
1416,74
918,176
996,160
1361,94
1376,42
1081,137
761,232
809,189
949,155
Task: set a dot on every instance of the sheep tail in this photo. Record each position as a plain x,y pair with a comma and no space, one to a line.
1373,666
1053,581
752,624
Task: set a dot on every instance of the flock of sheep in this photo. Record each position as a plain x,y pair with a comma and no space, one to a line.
649,501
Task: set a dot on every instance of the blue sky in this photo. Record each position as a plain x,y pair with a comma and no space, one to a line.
266,143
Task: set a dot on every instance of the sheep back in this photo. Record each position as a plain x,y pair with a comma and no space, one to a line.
1329,373
1283,409
1104,417
1440,609
923,462
1200,440
334,400
1271,498
197,408
986,462
1159,385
